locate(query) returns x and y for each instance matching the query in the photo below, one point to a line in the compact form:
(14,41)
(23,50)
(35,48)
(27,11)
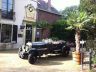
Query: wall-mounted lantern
(22,26)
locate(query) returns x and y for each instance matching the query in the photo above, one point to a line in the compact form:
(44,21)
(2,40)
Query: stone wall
(4,46)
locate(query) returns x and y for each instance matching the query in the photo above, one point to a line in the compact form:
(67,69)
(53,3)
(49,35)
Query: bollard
(90,58)
(82,56)
(82,60)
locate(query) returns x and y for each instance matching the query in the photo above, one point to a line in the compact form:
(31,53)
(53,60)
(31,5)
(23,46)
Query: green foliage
(75,16)
(54,38)
(43,24)
(94,60)
(88,5)
(58,30)
(65,13)
(77,19)
(91,27)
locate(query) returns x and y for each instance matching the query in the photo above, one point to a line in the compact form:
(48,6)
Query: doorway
(28,33)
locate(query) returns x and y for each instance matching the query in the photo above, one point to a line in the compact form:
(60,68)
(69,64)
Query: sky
(62,4)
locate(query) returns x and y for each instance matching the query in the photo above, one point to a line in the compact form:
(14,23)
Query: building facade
(17,20)
(46,12)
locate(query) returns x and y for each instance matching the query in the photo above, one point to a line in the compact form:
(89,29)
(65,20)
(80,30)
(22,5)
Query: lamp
(22,26)
(82,42)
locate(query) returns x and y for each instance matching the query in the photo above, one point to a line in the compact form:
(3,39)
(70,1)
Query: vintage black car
(34,50)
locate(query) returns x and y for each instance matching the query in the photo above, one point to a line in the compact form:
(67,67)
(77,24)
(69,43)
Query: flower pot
(77,57)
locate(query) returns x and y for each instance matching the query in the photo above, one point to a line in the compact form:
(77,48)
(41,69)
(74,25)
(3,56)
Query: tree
(91,27)
(65,13)
(77,20)
(42,24)
(58,31)
(88,5)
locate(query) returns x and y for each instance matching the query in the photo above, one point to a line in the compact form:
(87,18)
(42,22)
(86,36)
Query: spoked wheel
(65,53)
(32,59)
(22,54)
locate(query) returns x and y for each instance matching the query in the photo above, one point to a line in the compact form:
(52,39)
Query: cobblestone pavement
(10,62)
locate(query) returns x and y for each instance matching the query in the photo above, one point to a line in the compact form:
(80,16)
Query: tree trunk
(77,40)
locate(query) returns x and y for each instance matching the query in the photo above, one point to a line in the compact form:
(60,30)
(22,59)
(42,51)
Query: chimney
(49,5)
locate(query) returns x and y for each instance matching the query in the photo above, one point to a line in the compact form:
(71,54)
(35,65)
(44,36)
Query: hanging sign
(30,13)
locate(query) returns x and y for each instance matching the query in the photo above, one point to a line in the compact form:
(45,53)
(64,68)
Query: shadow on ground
(52,60)
(42,61)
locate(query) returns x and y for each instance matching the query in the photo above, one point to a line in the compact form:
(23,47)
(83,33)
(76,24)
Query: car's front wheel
(32,59)
(22,54)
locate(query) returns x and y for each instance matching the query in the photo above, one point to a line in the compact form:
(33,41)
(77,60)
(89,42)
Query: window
(7,9)
(6,33)
(15,33)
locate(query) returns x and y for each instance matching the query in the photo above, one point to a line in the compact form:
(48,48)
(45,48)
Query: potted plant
(77,20)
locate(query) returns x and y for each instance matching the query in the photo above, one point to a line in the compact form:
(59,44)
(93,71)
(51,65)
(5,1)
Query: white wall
(20,9)
(0,4)
(19,14)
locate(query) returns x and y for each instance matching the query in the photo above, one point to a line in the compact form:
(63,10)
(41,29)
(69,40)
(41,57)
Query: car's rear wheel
(65,52)
(32,59)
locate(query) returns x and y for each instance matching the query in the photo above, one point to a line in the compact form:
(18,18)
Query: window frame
(8,14)
(11,38)
(6,33)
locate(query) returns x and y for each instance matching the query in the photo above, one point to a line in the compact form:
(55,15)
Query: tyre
(32,59)
(65,52)
(21,54)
